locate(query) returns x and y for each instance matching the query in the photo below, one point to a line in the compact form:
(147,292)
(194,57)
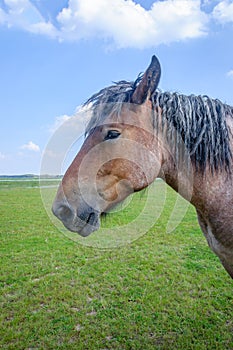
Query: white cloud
(58,122)
(2,156)
(67,136)
(179,20)
(122,23)
(2,17)
(80,116)
(223,12)
(230,74)
(44,28)
(23,14)
(128,24)
(31,146)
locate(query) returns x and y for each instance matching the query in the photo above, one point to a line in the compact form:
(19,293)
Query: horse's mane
(199,120)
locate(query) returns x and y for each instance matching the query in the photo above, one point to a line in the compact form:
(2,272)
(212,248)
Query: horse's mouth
(83,228)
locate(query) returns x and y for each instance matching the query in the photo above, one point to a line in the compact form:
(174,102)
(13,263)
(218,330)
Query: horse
(138,133)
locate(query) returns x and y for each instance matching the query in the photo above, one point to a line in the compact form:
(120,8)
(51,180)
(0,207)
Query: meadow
(162,291)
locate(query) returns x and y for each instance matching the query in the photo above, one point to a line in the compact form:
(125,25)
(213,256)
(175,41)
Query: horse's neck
(180,178)
(205,191)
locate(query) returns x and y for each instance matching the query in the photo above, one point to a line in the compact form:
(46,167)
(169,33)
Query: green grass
(163,291)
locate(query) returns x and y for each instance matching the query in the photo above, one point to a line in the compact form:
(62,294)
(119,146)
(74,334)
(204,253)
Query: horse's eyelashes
(112,134)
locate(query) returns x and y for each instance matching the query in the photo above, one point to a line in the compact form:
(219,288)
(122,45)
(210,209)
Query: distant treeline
(30,176)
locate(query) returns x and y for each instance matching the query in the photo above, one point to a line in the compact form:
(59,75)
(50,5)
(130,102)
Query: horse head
(120,155)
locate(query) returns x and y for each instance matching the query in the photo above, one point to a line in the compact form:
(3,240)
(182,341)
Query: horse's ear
(149,82)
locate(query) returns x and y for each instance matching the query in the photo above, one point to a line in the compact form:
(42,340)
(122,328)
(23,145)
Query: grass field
(163,291)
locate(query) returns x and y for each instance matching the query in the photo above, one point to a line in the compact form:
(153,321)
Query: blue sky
(55,54)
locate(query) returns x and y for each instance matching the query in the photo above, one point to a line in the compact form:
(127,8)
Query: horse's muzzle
(84,220)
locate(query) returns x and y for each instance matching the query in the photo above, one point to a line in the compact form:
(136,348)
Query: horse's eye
(112,134)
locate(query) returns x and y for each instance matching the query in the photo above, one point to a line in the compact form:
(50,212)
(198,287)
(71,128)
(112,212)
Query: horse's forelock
(110,100)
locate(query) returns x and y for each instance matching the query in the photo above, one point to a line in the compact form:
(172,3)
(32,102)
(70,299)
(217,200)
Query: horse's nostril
(63,212)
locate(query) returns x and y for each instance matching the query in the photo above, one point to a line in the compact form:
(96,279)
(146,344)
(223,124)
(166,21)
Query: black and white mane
(199,120)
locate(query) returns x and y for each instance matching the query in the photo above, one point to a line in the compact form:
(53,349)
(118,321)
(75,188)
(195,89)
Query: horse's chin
(84,229)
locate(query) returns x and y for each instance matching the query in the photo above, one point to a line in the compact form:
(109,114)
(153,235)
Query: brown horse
(138,133)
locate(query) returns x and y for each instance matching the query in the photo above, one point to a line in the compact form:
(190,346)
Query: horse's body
(137,134)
